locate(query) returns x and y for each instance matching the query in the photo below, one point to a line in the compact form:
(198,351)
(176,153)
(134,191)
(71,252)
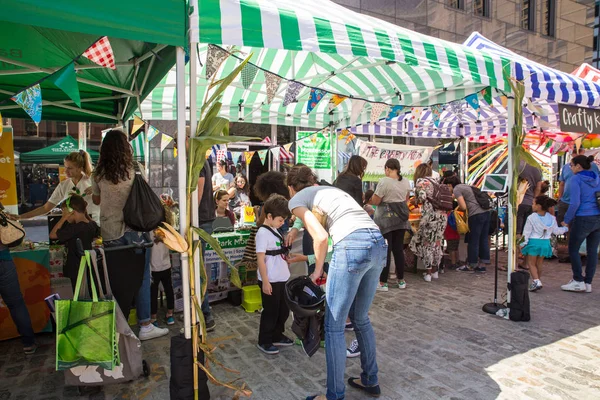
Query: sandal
(373,391)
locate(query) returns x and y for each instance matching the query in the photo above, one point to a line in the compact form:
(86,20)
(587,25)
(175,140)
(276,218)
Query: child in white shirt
(536,246)
(273,273)
(160,265)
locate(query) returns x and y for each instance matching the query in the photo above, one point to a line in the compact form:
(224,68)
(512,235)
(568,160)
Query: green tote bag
(85,329)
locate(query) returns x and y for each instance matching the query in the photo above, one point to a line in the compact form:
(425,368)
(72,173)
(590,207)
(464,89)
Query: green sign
(314,149)
(495,183)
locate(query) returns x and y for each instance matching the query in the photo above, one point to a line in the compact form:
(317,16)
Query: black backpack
(143,211)
(519,296)
(483,199)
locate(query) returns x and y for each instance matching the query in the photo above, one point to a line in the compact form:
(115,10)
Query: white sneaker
(402,284)
(382,287)
(588,288)
(427,277)
(435,275)
(574,286)
(152,332)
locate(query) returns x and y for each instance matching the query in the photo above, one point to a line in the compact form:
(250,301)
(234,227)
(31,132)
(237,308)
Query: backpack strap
(282,249)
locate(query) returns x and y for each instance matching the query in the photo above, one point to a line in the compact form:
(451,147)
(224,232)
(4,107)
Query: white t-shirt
(277,268)
(224,182)
(159,257)
(343,214)
(66,188)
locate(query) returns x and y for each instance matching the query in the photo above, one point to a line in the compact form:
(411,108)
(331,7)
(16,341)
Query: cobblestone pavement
(433,342)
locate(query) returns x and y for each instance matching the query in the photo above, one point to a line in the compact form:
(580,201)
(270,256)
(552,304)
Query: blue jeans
(13,298)
(353,277)
(143,296)
(588,229)
(208,228)
(478,249)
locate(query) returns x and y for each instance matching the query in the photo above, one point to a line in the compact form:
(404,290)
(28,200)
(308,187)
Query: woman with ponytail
(78,169)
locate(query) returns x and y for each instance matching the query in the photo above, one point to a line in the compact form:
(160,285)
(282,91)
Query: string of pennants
(151,133)
(30,98)
(379,110)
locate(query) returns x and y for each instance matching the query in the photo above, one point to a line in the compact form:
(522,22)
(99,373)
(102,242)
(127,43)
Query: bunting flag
(137,124)
(66,80)
(394,112)
(350,138)
(335,101)
(415,113)
(248,74)
(344,133)
(152,132)
(214,58)
(235,156)
(315,97)
(221,155)
(262,154)
(288,146)
(272,81)
(539,111)
(487,96)
(313,138)
(248,156)
(504,101)
(456,107)
(175,151)
(101,53)
(473,101)
(545,124)
(548,145)
(275,151)
(578,143)
(357,107)
(436,111)
(292,92)
(376,110)
(164,141)
(30,100)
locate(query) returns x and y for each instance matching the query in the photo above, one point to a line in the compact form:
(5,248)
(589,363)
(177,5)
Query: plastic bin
(251,300)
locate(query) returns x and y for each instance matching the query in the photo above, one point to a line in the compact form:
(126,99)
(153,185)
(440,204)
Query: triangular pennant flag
(487,96)
(221,155)
(538,110)
(292,92)
(343,134)
(248,74)
(315,97)
(164,141)
(357,107)
(248,156)
(214,57)
(175,151)
(504,101)
(350,138)
(31,101)
(394,112)
(335,101)
(152,132)
(288,146)
(313,138)
(376,110)
(436,111)
(273,81)
(548,145)
(137,124)
(275,151)
(578,143)
(262,154)
(101,53)
(456,108)
(66,80)
(473,101)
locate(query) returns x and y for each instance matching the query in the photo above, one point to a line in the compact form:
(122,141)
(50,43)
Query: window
(61,128)
(31,128)
(458,4)
(481,8)
(528,14)
(549,17)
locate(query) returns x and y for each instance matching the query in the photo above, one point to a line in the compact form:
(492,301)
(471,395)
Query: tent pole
(511,167)
(182,186)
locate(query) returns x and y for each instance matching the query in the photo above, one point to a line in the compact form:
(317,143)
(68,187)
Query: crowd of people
(350,237)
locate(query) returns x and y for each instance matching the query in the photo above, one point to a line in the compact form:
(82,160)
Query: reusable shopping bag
(462,221)
(85,330)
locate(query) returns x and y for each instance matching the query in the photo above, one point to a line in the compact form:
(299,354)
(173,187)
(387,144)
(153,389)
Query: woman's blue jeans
(478,246)
(143,295)
(588,229)
(13,298)
(351,284)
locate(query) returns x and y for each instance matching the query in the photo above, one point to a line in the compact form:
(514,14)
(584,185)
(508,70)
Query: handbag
(11,232)
(143,211)
(130,347)
(85,330)
(391,216)
(462,221)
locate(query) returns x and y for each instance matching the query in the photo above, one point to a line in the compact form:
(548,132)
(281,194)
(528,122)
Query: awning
(587,72)
(56,153)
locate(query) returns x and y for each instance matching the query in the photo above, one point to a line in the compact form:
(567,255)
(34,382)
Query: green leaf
(212,113)
(214,243)
(524,155)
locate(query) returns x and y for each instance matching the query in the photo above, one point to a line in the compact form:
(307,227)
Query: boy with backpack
(273,273)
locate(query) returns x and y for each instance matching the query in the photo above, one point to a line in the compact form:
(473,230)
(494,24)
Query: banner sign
(314,150)
(377,155)
(579,119)
(8,177)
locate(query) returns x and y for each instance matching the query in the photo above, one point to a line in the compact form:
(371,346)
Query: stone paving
(434,342)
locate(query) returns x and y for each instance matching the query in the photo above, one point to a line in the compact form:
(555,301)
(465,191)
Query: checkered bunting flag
(101,53)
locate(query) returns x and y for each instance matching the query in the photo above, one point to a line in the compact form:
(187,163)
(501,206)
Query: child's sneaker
(535,286)
(402,284)
(435,275)
(283,342)
(382,287)
(465,268)
(170,320)
(353,350)
(349,327)
(268,348)
(588,288)
(427,277)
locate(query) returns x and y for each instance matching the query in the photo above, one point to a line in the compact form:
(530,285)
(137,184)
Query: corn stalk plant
(212,130)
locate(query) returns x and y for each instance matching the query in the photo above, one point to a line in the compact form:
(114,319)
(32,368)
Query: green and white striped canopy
(326,46)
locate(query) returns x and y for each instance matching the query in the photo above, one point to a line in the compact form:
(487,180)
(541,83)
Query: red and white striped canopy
(587,72)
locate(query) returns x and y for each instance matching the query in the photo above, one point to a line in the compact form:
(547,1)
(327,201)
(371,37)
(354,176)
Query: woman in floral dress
(427,243)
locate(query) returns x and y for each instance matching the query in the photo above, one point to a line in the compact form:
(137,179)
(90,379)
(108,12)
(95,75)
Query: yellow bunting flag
(208,153)
(137,124)
(504,101)
(288,146)
(350,138)
(344,133)
(248,156)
